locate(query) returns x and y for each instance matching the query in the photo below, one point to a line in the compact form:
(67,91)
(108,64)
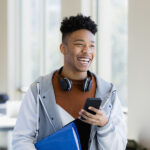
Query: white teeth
(84,59)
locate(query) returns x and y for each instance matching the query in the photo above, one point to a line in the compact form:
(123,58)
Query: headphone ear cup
(63,84)
(68,84)
(87,84)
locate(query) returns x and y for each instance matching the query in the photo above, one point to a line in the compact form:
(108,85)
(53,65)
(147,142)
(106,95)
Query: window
(112,44)
(39,39)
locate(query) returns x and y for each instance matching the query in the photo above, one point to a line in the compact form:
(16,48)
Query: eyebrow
(80,40)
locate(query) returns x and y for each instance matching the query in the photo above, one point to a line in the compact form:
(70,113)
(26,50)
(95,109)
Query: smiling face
(78,50)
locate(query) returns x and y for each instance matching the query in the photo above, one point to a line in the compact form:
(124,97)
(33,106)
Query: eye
(92,45)
(78,44)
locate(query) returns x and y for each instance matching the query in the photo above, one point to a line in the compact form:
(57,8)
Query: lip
(84,61)
(84,57)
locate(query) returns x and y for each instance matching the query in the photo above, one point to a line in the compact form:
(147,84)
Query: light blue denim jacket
(38,117)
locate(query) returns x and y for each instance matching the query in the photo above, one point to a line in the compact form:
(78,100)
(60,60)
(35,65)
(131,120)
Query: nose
(86,49)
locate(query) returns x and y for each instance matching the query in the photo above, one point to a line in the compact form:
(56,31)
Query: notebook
(66,138)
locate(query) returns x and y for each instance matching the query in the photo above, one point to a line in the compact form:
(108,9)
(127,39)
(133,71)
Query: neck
(73,75)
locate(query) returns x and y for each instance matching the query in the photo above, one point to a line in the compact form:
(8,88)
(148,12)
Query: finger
(88,114)
(84,116)
(89,120)
(95,110)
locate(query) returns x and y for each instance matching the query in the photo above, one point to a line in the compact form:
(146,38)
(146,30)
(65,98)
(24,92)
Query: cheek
(70,55)
(73,52)
(93,54)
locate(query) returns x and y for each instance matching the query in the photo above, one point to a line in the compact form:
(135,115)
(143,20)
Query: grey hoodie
(38,117)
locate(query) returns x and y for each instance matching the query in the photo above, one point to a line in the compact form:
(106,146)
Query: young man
(56,99)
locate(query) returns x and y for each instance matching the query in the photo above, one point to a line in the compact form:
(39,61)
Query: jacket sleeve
(113,135)
(25,130)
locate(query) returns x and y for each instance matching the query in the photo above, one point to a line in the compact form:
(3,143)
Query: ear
(62,48)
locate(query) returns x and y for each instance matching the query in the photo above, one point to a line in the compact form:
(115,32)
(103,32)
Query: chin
(82,69)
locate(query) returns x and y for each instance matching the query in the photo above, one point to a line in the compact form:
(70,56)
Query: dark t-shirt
(84,130)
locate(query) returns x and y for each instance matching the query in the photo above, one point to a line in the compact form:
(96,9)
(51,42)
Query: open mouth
(83,60)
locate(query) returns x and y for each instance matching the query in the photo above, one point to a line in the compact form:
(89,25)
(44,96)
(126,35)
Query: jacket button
(52,118)
(43,96)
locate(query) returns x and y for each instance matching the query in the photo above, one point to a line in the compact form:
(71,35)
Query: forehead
(82,34)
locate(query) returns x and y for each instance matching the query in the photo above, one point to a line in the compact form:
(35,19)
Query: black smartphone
(94,102)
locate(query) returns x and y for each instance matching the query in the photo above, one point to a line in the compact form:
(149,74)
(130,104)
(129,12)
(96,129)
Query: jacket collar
(104,90)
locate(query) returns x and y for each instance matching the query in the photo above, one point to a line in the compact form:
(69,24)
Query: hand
(99,119)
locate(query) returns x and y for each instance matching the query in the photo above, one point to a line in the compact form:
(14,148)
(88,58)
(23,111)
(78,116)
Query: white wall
(139,71)
(70,7)
(3,46)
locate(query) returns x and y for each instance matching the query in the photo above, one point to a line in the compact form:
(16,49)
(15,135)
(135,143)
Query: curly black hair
(73,23)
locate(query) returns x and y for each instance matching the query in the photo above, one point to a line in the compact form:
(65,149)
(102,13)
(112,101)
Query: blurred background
(29,47)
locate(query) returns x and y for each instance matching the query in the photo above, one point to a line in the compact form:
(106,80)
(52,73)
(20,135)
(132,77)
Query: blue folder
(66,138)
